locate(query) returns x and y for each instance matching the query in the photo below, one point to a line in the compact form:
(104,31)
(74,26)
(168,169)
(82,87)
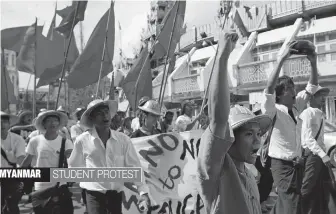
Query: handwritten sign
(169,162)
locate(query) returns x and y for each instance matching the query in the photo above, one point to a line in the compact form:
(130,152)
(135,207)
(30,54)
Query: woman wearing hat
(12,154)
(315,195)
(226,185)
(149,116)
(101,146)
(46,149)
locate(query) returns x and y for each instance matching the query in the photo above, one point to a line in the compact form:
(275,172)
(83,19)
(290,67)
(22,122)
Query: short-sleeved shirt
(223,187)
(47,154)
(14,147)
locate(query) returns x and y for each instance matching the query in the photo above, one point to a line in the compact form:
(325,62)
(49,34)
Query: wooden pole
(165,73)
(35,68)
(4,64)
(104,49)
(66,55)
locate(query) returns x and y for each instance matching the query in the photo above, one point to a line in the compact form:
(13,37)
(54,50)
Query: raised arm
(76,158)
(219,92)
(275,74)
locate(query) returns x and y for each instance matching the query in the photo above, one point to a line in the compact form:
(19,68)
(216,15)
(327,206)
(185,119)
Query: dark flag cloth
(66,24)
(162,43)
(51,30)
(140,69)
(85,70)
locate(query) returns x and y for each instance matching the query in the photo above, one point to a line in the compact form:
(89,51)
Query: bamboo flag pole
(4,64)
(213,65)
(66,55)
(111,92)
(104,49)
(35,71)
(165,73)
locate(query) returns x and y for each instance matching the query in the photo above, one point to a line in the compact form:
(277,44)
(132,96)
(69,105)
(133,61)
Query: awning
(278,35)
(203,53)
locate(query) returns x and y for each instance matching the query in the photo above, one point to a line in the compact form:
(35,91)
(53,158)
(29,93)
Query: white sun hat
(41,116)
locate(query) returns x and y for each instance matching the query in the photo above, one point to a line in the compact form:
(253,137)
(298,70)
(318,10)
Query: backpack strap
(3,153)
(319,131)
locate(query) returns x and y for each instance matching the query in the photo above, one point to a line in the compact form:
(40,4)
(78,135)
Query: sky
(131,15)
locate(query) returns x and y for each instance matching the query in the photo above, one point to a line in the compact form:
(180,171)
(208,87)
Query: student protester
(65,131)
(77,129)
(50,150)
(101,146)
(166,122)
(135,121)
(231,140)
(283,105)
(184,122)
(12,155)
(126,126)
(24,127)
(149,116)
(117,120)
(315,194)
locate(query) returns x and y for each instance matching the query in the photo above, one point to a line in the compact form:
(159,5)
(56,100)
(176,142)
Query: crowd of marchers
(283,139)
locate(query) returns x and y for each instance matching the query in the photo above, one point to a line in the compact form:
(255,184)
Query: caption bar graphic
(114,174)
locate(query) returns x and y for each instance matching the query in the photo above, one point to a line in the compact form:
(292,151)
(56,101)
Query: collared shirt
(311,122)
(76,130)
(224,187)
(14,147)
(285,141)
(119,152)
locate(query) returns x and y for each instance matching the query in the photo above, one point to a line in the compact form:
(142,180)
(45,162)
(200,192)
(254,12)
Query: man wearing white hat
(12,154)
(46,148)
(101,146)
(313,191)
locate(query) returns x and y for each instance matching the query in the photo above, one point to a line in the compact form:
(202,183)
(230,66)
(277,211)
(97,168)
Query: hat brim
(263,120)
(25,113)
(150,111)
(13,120)
(39,120)
(85,119)
(323,91)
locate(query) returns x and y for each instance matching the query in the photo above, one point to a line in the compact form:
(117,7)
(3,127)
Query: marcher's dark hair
(169,112)
(5,117)
(282,83)
(125,121)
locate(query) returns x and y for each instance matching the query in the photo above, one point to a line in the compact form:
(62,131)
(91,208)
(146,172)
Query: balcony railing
(297,67)
(284,8)
(185,84)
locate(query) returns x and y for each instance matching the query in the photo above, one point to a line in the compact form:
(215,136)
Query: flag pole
(66,55)
(5,76)
(213,65)
(111,93)
(35,67)
(104,49)
(165,73)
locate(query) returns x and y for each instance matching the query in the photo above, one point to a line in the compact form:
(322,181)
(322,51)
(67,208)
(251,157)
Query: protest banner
(169,162)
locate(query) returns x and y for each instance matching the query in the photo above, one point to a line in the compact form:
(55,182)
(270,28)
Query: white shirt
(182,122)
(286,136)
(135,124)
(311,122)
(14,147)
(76,130)
(119,152)
(47,154)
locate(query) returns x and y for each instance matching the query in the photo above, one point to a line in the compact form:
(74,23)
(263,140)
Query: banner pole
(104,49)
(66,55)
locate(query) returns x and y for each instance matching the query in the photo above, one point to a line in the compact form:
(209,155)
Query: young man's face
(169,118)
(247,143)
(101,116)
(27,119)
(5,125)
(51,123)
(318,99)
(151,119)
(288,96)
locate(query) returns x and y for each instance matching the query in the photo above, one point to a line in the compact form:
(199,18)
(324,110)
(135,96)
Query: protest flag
(7,87)
(65,27)
(138,82)
(85,70)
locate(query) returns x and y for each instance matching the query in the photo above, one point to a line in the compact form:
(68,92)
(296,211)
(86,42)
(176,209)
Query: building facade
(265,28)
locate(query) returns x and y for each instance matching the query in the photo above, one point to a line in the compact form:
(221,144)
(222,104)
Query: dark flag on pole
(66,24)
